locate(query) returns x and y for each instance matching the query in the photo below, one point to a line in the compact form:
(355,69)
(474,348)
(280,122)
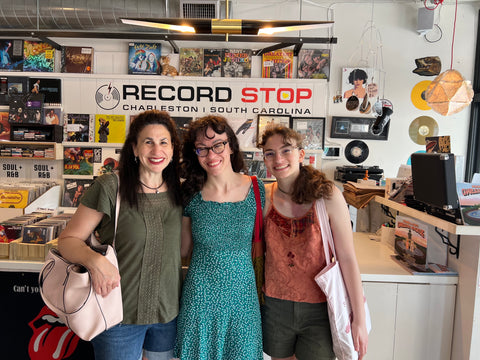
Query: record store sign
(12,170)
(43,170)
(233,96)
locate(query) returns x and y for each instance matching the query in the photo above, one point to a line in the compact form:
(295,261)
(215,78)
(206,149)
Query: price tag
(43,170)
(12,170)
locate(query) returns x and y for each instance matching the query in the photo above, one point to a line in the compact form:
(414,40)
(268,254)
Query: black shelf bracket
(452,249)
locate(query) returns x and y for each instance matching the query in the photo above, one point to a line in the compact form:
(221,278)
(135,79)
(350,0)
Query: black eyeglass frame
(213,148)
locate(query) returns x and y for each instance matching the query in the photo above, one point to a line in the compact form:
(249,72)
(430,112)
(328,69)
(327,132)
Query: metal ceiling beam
(281,41)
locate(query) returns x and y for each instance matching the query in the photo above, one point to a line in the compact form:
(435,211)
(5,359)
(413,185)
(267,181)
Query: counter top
(376,265)
(374,260)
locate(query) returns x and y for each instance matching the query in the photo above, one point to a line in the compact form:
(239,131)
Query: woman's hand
(360,338)
(105,276)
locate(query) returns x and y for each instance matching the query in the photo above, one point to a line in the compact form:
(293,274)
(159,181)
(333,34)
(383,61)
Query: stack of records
(360,194)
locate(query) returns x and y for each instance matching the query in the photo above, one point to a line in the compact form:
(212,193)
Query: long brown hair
(311,184)
(128,169)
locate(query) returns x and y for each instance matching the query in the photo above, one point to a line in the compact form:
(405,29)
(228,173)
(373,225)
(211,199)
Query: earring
(136,159)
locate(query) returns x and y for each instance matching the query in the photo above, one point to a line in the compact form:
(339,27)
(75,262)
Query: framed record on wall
(356,128)
(312,130)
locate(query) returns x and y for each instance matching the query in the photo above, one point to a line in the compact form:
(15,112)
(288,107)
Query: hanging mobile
(352,102)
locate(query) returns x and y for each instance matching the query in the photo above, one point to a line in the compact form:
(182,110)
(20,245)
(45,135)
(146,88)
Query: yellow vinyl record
(422,127)
(418,95)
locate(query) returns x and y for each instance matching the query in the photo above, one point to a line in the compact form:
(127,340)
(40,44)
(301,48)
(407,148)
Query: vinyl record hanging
(418,95)
(356,151)
(422,127)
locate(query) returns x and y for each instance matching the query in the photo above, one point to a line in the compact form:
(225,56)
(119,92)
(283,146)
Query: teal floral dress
(219,311)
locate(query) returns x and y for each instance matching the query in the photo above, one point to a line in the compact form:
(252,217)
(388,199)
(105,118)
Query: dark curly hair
(191,170)
(128,168)
(311,184)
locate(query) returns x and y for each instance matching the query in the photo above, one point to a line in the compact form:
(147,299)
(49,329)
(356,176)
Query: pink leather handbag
(66,288)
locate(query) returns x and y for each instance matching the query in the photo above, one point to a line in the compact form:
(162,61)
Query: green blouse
(148,250)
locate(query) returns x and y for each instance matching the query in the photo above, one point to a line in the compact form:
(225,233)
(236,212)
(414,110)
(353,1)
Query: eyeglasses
(284,152)
(217,149)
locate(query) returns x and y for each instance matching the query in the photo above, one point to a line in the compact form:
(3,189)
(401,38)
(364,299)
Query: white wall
(401,45)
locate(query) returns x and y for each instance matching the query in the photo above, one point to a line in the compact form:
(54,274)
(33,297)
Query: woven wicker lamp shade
(449,93)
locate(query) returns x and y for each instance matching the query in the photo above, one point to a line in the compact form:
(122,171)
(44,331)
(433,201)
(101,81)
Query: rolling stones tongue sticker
(51,339)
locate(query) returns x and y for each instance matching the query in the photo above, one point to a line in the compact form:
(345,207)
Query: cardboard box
(30,252)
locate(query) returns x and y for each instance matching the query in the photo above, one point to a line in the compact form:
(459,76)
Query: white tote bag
(331,282)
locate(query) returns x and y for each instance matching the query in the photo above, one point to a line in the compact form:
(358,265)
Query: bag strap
(327,237)
(259,216)
(117,210)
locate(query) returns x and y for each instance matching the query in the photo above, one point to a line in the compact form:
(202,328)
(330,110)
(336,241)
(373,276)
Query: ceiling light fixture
(227,26)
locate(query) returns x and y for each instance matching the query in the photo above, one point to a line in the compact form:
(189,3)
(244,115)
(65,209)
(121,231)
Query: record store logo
(107,97)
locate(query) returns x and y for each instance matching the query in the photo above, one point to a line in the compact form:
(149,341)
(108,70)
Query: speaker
(425,20)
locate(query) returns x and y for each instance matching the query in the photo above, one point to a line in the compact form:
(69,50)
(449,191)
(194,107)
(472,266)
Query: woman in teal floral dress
(219,312)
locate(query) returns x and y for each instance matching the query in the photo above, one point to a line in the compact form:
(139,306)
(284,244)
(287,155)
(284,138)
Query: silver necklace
(153,188)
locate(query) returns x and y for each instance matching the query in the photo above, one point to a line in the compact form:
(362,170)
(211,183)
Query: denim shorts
(298,328)
(127,342)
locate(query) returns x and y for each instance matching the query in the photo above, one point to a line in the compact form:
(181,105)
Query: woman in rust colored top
(295,318)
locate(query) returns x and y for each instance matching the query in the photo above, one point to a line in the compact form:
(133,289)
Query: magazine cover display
(38,56)
(73,191)
(77,161)
(411,242)
(11,55)
(191,62)
(77,59)
(110,128)
(78,127)
(277,64)
(105,160)
(237,63)
(4,126)
(170,64)
(212,62)
(469,199)
(313,64)
(144,58)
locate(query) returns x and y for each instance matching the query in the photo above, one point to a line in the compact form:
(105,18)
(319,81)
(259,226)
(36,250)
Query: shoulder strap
(259,215)
(327,238)
(117,210)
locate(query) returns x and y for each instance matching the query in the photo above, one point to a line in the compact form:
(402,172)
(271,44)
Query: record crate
(4,250)
(30,252)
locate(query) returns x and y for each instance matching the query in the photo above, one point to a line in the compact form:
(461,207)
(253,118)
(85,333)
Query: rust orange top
(294,256)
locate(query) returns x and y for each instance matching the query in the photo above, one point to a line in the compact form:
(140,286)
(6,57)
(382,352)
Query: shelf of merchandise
(91,144)
(34,145)
(429,219)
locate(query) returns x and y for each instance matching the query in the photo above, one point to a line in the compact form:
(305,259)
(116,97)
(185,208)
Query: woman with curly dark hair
(295,317)
(219,309)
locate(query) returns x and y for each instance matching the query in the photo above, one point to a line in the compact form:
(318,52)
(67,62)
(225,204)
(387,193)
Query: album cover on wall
(77,59)
(245,130)
(105,160)
(110,128)
(77,161)
(78,127)
(73,191)
(144,58)
(355,81)
(277,64)
(26,108)
(11,55)
(53,116)
(4,126)
(50,88)
(212,62)
(237,63)
(191,62)
(38,56)
(170,64)
(314,64)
